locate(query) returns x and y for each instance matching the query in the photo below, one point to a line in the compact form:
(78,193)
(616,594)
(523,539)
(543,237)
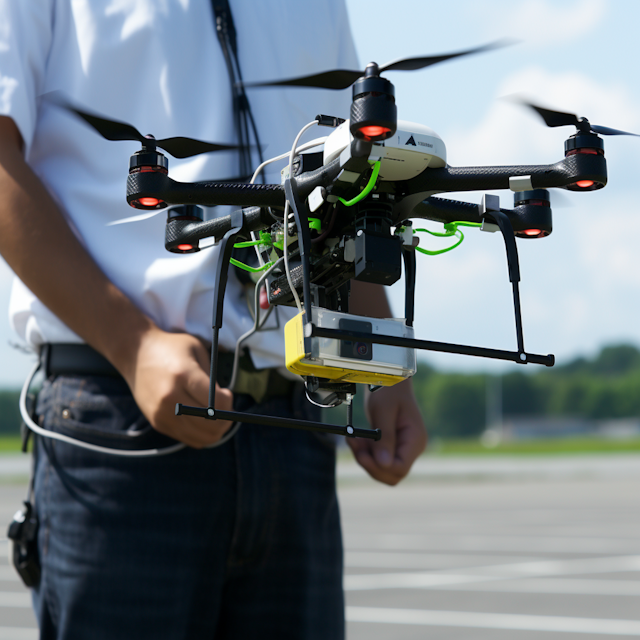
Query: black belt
(59,359)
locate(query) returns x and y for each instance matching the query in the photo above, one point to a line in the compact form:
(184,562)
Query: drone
(347,212)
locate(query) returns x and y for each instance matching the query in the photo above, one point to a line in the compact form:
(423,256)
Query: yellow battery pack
(347,361)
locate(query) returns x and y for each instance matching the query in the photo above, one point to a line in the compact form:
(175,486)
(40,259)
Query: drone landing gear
(271,421)
(490,210)
(210,412)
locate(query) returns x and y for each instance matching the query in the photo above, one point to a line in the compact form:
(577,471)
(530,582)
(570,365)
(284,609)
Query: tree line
(606,386)
(454,405)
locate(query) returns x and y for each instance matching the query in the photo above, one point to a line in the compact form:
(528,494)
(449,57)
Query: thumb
(384,450)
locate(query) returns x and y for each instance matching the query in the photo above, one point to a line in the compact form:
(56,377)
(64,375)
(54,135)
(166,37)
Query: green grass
(10,444)
(13,444)
(535,447)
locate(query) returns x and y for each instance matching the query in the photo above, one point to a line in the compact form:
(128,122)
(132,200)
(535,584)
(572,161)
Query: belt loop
(44,358)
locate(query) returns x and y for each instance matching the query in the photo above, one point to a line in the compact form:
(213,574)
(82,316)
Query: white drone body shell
(406,154)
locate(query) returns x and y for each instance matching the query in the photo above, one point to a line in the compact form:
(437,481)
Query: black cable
(243,116)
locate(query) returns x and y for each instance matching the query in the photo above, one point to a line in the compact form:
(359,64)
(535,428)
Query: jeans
(239,541)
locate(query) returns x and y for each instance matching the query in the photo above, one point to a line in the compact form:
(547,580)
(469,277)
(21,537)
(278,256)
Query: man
(226,542)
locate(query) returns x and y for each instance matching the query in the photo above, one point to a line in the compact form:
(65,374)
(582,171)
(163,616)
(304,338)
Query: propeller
(178,147)
(560,119)
(343,78)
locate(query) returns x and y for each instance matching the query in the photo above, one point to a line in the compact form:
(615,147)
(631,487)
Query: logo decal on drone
(410,141)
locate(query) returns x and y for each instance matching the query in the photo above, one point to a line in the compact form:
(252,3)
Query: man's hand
(161,368)
(170,368)
(395,412)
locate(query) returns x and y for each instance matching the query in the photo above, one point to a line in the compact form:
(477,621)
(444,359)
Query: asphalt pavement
(490,548)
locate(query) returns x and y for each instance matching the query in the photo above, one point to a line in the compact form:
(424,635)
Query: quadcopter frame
(409,199)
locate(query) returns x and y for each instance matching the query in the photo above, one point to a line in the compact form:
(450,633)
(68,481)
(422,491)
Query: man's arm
(393,410)
(160,368)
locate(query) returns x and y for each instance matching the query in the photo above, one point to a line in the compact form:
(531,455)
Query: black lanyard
(243,118)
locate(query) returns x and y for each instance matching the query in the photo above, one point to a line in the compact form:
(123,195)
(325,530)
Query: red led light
(185,247)
(149,202)
(264,298)
(584,184)
(532,232)
(373,131)
(584,151)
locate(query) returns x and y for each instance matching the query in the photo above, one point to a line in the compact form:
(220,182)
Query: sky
(580,287)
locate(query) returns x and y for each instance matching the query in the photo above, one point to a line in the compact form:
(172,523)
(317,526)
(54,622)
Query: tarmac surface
(467,548)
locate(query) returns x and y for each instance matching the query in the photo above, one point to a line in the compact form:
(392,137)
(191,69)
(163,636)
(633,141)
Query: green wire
(451,229)
(367,190)
(246,267)
(265,239)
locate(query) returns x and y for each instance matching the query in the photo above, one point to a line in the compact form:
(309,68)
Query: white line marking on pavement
(552,585)
(400,560)
(8,574)
(565,567)
(15,599)
(416,580)
(478,543)
(494,621)
(18,633)
(369,582)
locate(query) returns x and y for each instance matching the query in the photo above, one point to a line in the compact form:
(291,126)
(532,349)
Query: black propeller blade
(559,119)
(178,147)
(343,78)
(115,130)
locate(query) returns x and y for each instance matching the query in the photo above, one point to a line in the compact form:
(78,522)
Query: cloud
(512,133)
(543,22)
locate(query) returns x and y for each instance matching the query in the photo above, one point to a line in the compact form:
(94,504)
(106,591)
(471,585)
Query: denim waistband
(73,359)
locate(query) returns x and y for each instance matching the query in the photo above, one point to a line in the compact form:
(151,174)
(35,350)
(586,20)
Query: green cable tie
(438,252)
(265,239)
(246,267)
(451,229)
(315,223)
(367,190)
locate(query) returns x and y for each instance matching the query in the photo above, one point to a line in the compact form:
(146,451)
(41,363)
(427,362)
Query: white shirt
(156,64)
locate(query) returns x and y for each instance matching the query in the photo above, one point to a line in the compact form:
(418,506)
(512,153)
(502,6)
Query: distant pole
(493,404)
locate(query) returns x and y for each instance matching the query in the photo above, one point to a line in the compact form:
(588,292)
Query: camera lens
(362,348)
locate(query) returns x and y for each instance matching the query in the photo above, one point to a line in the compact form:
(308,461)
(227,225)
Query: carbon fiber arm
(208,194)
(448,179)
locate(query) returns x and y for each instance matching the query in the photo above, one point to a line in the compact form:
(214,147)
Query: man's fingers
(388,475)
(383,417)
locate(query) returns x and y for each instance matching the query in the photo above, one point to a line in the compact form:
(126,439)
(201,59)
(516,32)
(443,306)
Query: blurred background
(580,286)
(502,531)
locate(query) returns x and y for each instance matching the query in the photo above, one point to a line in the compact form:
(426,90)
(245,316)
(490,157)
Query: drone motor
(374,115)
(533,210)
(584,144)
(148,159)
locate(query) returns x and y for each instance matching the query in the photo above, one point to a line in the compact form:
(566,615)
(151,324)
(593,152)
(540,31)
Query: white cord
(307,145)
(144,453)
(257,325)
(319,404)
(296,297)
